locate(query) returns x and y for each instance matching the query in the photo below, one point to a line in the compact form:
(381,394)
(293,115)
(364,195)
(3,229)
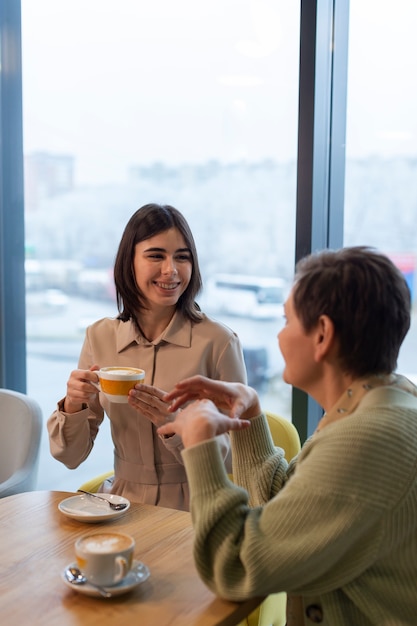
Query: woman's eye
(183,257)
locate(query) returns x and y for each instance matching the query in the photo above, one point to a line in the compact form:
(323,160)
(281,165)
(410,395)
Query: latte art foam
(105,543)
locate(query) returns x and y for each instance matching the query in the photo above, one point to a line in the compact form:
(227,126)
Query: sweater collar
(351,397)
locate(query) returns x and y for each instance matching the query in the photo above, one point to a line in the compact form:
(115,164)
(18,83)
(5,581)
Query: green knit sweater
(340,530)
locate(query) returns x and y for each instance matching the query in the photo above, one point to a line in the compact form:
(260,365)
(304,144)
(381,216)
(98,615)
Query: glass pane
(185,103)
(381,164)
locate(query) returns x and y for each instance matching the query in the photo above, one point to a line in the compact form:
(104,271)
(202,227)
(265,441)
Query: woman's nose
(169,267)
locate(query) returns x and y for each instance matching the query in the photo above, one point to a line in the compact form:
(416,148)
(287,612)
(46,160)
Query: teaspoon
(76,577)
(112,505)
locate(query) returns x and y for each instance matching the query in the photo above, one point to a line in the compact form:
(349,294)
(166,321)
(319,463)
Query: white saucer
(87,509)
(137,575)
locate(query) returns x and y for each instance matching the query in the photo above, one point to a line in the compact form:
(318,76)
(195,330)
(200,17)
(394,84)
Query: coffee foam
(104,543)
(120,373)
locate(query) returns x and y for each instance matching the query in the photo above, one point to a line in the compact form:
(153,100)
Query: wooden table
(37,542)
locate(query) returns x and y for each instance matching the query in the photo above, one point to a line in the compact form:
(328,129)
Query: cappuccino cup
(105,558)
(116,382)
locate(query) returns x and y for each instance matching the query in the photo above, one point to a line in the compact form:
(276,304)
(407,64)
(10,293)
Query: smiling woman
(160,329)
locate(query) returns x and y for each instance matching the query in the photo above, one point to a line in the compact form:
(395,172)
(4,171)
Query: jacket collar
(178,332)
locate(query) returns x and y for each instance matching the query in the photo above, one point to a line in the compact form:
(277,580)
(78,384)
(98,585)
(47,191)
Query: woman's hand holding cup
(80,389)
(114,382)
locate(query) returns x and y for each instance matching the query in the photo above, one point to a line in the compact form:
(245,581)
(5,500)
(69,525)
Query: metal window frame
(12,238)
(321,148)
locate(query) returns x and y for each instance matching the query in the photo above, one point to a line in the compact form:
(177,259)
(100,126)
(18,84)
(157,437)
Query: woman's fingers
(181,400)
(199,422)
(148,400)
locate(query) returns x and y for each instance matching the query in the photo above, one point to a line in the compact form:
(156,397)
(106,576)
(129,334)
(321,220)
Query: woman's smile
(167,286)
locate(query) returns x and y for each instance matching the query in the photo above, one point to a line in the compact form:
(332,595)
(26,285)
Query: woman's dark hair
(365,296)
(146,222)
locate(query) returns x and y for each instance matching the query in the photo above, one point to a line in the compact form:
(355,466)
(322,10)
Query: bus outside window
(246,296)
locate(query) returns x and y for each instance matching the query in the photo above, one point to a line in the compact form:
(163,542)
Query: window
(190,104)
(381,154)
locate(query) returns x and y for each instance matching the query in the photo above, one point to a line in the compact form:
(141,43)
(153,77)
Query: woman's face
(163,267)
(297,348)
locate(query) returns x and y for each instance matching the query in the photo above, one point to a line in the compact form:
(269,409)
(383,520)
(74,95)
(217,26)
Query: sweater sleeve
(258,466)
(317,533)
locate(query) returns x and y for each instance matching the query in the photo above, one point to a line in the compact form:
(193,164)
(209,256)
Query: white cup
(105,558)
(116,382)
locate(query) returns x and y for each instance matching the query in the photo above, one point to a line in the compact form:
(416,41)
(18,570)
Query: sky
(189,81)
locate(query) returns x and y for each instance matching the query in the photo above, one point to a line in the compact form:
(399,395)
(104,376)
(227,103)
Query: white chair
(20,437)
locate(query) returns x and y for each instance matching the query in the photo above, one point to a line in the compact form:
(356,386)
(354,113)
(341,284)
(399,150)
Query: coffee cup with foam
(116,381)
(105,558)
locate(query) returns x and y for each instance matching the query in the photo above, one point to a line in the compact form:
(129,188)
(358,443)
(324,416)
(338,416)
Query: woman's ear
(324,337)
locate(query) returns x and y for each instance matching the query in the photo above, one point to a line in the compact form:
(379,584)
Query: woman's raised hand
(236,399)
(199,421)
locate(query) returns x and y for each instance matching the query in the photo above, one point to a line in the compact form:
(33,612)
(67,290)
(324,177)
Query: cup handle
(122,568)
(96,385)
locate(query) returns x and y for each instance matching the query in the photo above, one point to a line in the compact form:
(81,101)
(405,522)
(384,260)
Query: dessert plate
(137,575)
(83,508)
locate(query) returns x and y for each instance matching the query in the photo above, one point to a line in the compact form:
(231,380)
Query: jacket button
(314,613)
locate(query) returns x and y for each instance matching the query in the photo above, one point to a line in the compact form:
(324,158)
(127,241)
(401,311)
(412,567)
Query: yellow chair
(94,484)
(285,435)
(272,611)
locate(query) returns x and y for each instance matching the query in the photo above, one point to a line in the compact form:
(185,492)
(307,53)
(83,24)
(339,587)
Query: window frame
(12,239)
(324,32)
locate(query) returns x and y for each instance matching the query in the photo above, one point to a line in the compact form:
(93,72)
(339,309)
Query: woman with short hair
(337,527)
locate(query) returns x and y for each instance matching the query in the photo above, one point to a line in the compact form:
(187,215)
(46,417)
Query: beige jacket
(147,468)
